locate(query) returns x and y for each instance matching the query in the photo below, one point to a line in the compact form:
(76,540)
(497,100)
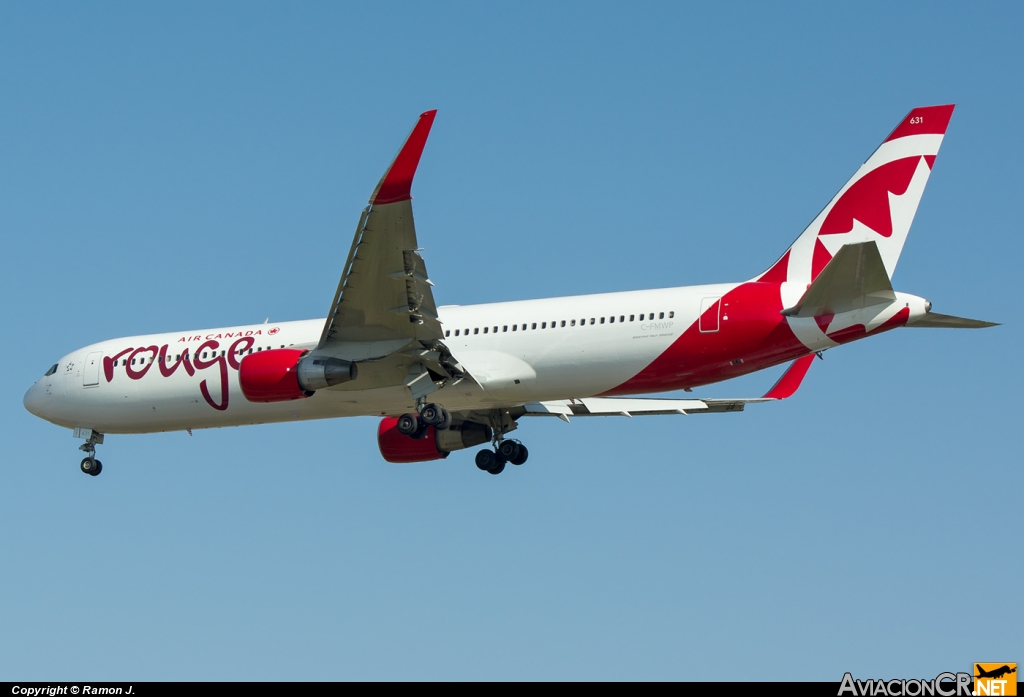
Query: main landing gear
(416,425)
(493,461)
(90,465)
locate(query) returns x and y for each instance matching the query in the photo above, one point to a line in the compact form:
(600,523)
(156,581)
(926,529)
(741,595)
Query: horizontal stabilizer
(934,320)
(855,278)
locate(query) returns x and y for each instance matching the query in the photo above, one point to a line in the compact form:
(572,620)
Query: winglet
(791,379)
(396,184)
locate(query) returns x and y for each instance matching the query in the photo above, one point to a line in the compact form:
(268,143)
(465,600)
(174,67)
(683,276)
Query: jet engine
(279,375)
(431,445)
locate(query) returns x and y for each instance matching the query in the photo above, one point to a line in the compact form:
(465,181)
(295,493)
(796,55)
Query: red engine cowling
(272,376)
(399,448)
(436,445)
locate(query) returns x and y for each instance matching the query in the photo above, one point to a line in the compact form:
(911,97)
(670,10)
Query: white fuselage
(518,352)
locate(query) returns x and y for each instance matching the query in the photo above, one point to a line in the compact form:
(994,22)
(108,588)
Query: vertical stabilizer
(877,204)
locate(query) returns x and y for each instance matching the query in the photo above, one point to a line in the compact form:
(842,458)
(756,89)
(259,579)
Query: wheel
(432,414)
(498,468)
(408,424)
(89,466)
(421,432)
(99,468)
(508,450)
(521,456)
(446,422)
(486,460)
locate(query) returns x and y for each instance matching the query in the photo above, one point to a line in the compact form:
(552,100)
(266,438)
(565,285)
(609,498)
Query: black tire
(99,468)
(508,450)
(408,424)
(521,456)
(432,415)
(446,422)
(486,460)
(89,466)
(497,469)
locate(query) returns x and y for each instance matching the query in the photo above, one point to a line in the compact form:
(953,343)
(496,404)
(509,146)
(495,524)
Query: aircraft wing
(616,406)
(384,299)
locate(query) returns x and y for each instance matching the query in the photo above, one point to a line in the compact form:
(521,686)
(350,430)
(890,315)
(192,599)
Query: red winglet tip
(396,184)
(924,120)
(791,379)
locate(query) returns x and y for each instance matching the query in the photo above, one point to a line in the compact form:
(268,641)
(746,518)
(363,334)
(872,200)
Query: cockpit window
(51,371)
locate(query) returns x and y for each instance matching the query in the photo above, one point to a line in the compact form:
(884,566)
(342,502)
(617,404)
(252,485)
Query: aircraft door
(91,370)
(710,309)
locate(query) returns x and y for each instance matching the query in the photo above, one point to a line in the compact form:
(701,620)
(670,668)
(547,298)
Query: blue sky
(177,166)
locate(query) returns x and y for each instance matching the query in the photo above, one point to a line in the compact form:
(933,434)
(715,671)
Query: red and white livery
(454,377)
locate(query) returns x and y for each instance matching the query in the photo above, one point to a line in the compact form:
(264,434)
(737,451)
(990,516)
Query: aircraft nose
(35,400)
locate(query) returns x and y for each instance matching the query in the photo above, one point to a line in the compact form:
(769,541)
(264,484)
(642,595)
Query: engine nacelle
(280,375)
(435,445)
(318,372)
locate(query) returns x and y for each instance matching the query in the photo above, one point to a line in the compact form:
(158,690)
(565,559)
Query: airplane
(995,673)
(454,377)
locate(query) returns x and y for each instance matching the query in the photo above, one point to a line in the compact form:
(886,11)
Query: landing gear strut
(90,465)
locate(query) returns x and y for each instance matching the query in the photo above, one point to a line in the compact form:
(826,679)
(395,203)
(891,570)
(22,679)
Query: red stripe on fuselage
(752,335)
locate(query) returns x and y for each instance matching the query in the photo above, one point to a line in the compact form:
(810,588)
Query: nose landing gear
(90,465)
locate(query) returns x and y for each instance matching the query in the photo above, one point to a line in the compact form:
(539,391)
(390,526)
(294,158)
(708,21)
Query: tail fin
(877,204)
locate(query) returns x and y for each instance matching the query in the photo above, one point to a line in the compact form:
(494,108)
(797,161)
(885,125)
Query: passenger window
(456,332)
(465,332)
(534,326)
(572,323)
(671,314)
(602,320)
(543,325)
(563,322)
(583,321)
(476,330)
(448,333)
(485,330)
(591,320)
(611,320)
(495,330)
(631,318)
(504,327)
(178,356)
(661,315)
(514,326)
(641,318)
